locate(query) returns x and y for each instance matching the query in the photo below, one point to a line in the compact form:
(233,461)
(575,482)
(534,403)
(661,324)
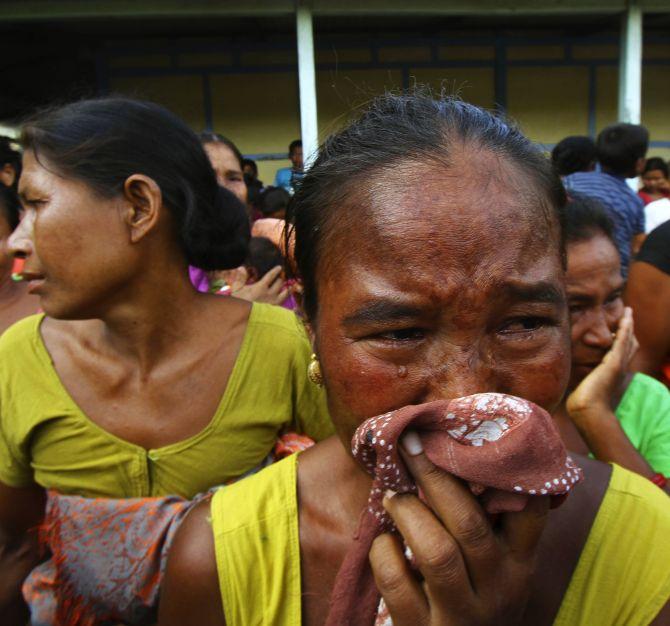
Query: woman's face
(439,290)
(76,244)
(654,181)
(227,168)
(594,286)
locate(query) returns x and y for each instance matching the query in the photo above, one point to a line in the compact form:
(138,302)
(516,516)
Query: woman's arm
(591,405)
(190,591)
(648,294)
(21,511)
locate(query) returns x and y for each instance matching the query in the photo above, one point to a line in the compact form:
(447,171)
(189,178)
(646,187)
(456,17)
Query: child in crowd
(273,202)
(263,256)
(655,183)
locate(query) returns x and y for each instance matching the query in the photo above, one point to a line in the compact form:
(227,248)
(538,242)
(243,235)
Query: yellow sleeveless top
(622,577)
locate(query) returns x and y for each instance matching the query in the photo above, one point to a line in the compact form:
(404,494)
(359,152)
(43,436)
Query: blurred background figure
(15,301)
(226,160)
(254,186)
(621,149)
(288,177)
(273,202)
(576,153)
(655,183)
(648,293)
(10,162)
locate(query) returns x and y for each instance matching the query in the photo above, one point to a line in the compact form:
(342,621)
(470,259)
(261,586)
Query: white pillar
(307,81)
(630,64)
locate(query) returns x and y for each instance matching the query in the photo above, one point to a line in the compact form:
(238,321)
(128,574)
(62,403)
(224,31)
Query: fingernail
(388,494)
(411,442)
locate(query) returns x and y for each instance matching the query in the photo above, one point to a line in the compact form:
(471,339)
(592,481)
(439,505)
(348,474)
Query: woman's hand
(472,574)
(592,404)
(595,395)
(268,289)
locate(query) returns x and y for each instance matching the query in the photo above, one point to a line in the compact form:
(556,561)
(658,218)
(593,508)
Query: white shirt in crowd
(655,213)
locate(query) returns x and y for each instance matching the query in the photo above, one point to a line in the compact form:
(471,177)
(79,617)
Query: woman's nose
(20,242)
(461,376)
(599,331)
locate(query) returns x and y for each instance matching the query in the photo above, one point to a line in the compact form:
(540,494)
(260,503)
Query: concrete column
(630,64)
(307,81)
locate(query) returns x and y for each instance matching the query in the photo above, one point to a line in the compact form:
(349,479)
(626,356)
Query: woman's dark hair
(574,154)
(10,155)
(400,128)
(584,218)
(208,137)
(104,141)
(655,163)
(10,206)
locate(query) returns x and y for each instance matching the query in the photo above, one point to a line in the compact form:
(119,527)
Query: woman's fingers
(435,551)
(623,348)
(457,509)
(396,582)
(471,574)
(522,530)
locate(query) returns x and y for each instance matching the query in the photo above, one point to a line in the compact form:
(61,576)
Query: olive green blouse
(47,439)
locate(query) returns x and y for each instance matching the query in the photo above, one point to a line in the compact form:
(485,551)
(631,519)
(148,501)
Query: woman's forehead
(456,209)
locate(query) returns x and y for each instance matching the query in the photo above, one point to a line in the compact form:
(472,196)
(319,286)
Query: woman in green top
(134,384)
(616,416)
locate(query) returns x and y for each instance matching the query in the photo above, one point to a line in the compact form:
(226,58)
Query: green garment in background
(644,415)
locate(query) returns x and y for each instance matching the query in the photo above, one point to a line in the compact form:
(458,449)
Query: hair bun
(216,235)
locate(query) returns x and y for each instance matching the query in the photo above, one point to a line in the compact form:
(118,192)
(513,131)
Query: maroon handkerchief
(507,450)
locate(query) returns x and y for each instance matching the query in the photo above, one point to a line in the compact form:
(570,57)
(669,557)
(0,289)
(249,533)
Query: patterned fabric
(499,444)
(623,205)
(108,556)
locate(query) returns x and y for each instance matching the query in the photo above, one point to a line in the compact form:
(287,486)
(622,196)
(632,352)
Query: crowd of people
(424,381)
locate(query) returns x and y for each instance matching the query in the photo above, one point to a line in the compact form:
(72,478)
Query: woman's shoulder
(23,331)
(622,569)
(267,494)
(275,323)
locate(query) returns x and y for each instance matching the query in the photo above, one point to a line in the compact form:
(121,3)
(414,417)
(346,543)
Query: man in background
(288,177)
(621,150)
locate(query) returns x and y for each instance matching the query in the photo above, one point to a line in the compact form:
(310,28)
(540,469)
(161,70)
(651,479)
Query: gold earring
(314,371)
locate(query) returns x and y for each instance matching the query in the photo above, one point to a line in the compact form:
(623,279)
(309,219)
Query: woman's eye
(402,334)
(525,325)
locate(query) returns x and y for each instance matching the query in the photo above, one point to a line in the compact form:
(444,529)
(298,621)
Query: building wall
(552,87)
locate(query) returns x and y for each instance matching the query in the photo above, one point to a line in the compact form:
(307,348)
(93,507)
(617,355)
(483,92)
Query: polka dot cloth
(497,443)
